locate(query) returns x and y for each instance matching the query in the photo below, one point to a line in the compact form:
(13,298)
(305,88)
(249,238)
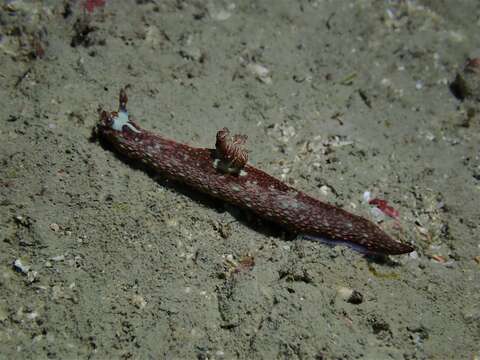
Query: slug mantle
(224,173)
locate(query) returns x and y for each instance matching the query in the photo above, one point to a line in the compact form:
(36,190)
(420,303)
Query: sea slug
(225,174)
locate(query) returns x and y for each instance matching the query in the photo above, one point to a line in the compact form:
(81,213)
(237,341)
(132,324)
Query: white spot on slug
(122,120)
(289,203)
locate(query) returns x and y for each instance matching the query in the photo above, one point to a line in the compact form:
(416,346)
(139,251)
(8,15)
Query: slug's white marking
(287,202)
(122,120)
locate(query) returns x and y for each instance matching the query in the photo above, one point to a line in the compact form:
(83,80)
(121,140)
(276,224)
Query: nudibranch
(224,173)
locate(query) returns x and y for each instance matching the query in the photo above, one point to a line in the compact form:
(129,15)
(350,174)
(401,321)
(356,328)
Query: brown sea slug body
(224,174)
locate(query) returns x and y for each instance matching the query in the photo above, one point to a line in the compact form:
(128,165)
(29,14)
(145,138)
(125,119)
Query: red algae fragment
(385,208)
(90,5)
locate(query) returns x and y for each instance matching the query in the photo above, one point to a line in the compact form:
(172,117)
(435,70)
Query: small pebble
(356,298)
(19,266)
(261,72)
(471,314)
(138,301)
(350,295)
(32,276)
(32,316)
(367,196)
(413,255)
(325,190)
(439,258)
(58,258)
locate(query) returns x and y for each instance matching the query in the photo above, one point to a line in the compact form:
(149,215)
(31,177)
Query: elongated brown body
(250,188)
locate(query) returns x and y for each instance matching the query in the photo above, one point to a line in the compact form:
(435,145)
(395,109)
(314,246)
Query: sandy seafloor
(99,259)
